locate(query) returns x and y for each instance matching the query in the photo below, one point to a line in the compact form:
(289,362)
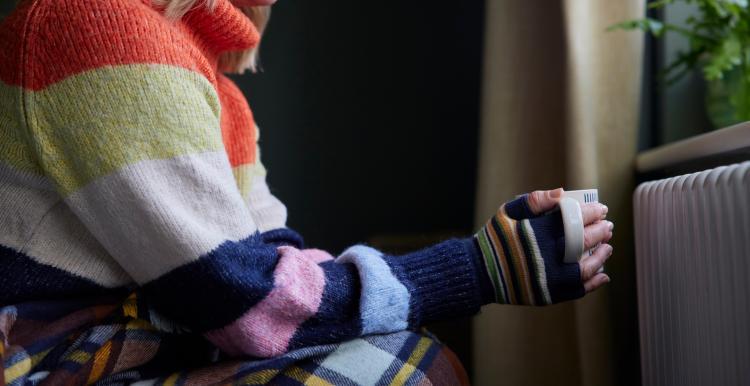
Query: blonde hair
(235,61)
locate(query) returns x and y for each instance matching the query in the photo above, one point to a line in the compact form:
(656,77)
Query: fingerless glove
(523,255)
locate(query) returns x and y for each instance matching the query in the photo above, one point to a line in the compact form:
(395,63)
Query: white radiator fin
(693,267)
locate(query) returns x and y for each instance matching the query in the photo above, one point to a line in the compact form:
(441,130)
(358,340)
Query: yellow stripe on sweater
(14,148)
(94,123)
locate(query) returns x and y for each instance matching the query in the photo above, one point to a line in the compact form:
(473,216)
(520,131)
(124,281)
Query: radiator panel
(692,241)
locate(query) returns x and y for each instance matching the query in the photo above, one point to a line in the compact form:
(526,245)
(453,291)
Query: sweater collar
(221,29)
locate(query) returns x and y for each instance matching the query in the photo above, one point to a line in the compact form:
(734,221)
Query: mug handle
(572,217)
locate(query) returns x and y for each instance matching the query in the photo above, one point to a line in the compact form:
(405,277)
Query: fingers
(593,212)
(595,282)
(541,201)
(598,232)
(590,264)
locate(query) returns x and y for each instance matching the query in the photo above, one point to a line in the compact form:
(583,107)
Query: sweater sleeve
(137,154)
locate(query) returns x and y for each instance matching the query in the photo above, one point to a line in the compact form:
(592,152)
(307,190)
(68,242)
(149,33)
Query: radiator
(693,266)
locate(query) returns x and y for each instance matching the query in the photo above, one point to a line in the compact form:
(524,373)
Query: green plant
(719,43)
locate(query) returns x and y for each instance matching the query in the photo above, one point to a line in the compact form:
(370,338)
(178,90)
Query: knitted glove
(523,255)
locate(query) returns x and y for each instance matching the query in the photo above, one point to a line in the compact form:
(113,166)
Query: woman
(140,241)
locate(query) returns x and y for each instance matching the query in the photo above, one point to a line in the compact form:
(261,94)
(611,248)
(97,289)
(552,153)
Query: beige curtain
(560,108)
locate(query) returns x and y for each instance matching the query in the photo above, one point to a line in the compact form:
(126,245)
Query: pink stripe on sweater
(266,329)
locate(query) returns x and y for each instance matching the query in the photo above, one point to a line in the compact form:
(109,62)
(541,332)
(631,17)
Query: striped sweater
(128,161)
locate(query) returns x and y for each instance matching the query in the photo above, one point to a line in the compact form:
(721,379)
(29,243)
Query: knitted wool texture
(523,255)
(127,160)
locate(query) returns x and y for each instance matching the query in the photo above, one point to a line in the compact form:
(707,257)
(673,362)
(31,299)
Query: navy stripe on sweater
(23,279)
(218,288)
(338,315)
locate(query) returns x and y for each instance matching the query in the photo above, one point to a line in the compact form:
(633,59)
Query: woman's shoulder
(60,38)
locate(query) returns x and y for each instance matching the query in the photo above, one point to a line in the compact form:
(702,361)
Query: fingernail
(609,249)
(605,209)
(607,279)
(556,193)
(611,226)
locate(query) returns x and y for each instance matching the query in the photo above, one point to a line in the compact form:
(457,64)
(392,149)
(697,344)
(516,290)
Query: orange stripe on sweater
(65,37)
(237,124)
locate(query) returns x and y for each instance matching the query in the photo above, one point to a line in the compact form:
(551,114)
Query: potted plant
(718,35)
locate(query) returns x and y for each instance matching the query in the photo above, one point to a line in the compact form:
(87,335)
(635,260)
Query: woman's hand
(523,247)
(596,230)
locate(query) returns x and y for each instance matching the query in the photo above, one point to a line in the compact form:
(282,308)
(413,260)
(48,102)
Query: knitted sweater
(127,160)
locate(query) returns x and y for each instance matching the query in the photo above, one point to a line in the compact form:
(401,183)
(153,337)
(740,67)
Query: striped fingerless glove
(523,255)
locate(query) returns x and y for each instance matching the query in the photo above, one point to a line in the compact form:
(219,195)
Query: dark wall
(369,116)
(6,7)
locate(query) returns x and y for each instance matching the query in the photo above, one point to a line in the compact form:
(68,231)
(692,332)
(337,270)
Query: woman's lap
(76,343)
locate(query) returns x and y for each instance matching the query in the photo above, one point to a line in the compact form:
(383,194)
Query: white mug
(570,208)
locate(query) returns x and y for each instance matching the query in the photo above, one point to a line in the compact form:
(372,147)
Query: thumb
(540,201)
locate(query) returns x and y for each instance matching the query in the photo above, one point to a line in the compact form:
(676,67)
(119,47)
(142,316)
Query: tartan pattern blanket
(117,342)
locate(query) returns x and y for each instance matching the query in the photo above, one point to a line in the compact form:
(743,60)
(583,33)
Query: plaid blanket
(117,343)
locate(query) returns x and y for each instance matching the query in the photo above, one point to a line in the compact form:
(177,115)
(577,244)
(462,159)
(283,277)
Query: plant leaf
(727,56)
(652,26)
